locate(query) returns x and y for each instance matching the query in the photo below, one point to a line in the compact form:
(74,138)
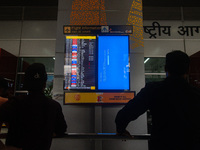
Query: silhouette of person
(174,106)
(34,118)
(3,99)
(3,90)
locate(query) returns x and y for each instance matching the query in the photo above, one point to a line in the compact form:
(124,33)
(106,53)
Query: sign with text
(113,29)
(98,97)
(171,30)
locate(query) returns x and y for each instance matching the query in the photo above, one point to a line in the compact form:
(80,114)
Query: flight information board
(79,67)
(96,65)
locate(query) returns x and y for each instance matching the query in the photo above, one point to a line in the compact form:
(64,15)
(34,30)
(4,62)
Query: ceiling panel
(162,3)
(47,9)
(28,2)
(172,3)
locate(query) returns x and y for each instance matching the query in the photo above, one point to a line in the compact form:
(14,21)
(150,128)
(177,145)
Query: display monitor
(113,62)
(97,63)
(80,65)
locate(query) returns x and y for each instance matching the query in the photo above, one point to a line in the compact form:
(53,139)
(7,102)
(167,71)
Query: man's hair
(35,77)
(177,63)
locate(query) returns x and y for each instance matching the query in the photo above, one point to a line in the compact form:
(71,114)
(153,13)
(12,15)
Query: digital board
(113,63)
(80,64)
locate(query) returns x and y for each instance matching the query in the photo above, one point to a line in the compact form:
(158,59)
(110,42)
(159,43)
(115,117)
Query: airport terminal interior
(38,31)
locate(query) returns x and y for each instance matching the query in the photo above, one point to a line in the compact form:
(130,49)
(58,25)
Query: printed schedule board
(97,67)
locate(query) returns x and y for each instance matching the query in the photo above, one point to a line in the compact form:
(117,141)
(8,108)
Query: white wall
(28,38)
(159,46)
(39,38)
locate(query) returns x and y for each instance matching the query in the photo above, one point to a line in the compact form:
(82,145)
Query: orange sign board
(98,97)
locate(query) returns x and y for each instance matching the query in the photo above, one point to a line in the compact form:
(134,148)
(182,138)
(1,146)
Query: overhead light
(146,60)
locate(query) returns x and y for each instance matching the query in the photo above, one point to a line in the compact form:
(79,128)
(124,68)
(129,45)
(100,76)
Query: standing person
(34,118)
(3,99)
(174,105)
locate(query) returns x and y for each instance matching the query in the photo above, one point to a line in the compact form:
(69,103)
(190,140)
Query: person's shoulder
(156,84)
(53,102)
(151,87)
(155,87)
(17,99)
(195,90)
(13,103)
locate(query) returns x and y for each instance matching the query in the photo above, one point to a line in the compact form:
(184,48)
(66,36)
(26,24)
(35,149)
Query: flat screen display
(113,63)
(97,63)
(80,65)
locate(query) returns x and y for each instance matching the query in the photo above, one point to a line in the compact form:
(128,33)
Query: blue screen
(113,63)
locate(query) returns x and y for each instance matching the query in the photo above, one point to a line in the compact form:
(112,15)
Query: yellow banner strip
(80,37)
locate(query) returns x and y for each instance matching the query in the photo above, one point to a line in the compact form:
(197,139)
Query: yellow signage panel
(97,97)
(67,30)
(80,37)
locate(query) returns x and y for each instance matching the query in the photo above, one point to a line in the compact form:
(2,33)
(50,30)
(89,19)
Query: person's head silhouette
(177,63)
(35,77)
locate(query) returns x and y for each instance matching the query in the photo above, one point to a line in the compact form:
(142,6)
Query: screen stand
(98,126)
